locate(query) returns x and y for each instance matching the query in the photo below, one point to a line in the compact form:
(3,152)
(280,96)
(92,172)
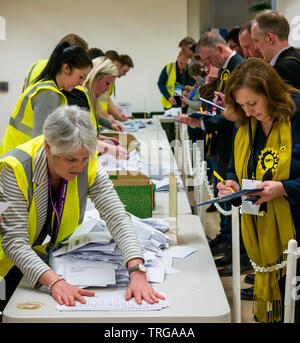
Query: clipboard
(212,104)
(231,196)
(201,115)
(173,90)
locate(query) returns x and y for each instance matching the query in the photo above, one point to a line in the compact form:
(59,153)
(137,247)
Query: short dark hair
(112,55)
(126,60)
(246,27)
(74,39)
(195,69)
(233,35)
(187,41)
(95,52)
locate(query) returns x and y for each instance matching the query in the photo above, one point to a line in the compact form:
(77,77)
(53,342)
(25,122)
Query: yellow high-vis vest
(34,71)
(171,72)
(91,108)
(20,125)
(21,160)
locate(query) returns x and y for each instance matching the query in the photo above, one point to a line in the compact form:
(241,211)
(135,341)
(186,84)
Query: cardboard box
(136,191)
(127,140)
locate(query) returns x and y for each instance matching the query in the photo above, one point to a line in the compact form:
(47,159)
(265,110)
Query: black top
(222,126)
(288,67)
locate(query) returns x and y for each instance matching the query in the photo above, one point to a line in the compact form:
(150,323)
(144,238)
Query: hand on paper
(117,151)
(224,189)
(185,119)
(63,292)
(117,127)
(140,288)
(272,190)
(66,294)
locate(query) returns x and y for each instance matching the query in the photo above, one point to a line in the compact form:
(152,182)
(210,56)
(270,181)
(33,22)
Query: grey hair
(210,40)
(69,128)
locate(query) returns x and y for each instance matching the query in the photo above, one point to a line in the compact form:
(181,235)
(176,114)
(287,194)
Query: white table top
(195,294)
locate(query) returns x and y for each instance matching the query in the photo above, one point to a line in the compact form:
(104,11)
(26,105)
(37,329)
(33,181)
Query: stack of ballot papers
(133,125)
(163,184)
(114,301)
(90,257)
(134,162)
(173,112)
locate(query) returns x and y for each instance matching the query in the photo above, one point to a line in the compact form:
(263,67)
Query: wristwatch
(140,267)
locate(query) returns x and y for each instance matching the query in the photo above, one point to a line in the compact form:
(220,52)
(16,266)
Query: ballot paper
(173,112)
(90,257)
(114,301)
(133,125)
(164,184)
(134,162)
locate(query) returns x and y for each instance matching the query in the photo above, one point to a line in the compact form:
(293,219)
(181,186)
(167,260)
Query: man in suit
(249,48)
(270,31)
(214,50)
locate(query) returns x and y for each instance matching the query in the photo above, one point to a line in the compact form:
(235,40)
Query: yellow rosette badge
(268,160)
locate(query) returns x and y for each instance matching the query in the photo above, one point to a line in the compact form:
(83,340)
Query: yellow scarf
(266,237)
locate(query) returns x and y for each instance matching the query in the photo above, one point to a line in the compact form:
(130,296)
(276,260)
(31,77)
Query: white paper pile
(92,258)
(114,301)
(173,112)
(163,184)
(133,125)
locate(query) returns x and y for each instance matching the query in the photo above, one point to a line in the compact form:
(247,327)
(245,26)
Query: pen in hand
(222,180)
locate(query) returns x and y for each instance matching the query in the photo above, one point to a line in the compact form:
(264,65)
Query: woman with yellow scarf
(266,148)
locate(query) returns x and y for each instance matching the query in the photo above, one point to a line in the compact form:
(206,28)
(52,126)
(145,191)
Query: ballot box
(135,190)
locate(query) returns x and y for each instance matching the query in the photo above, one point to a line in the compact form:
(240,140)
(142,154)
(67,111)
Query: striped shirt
(14,227)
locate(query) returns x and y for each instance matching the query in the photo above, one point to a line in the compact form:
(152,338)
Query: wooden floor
(212,228)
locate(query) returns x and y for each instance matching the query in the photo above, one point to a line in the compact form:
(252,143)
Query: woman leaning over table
(266,147)
(97,82)
(49,177)
(67,67)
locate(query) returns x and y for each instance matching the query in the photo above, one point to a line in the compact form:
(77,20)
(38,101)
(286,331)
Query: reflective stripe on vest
(171,73)
(20,160)
(34,71)
(16,121)
(20,128)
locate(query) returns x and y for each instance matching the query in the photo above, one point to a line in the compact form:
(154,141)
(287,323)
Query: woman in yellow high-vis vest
(38,66)
(266,155)
(68,67)
(98,82)
(47,181)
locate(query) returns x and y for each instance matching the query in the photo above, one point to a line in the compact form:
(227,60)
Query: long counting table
(195,294)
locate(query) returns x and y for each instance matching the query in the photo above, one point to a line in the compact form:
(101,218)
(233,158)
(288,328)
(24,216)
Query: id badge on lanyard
(178,90)
(247,206)
(58,211)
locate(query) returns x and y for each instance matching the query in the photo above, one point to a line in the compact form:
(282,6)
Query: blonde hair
(103,66)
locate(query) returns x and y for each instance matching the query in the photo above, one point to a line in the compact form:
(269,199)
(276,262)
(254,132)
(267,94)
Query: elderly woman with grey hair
(47,181)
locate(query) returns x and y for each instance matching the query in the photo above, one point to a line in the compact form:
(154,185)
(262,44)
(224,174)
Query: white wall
(148,31)
(199,17)
(291,10)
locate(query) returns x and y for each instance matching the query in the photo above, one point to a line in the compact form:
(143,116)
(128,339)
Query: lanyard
(268,173)
(58,211)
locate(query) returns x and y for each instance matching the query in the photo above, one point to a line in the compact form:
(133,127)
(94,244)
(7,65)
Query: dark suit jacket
(222,126)
(288,67)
